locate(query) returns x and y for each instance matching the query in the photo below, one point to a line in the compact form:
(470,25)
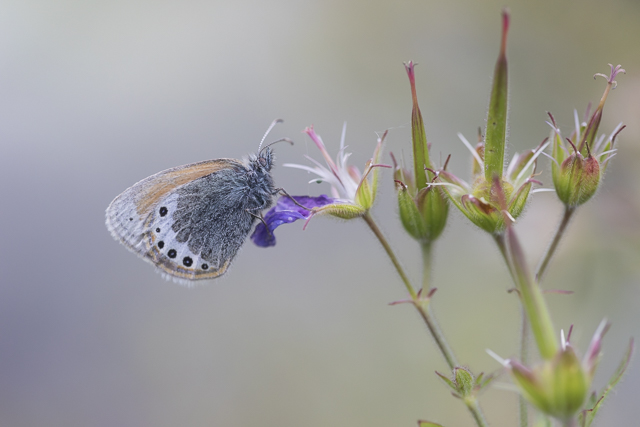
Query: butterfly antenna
(271,126)
(271,143)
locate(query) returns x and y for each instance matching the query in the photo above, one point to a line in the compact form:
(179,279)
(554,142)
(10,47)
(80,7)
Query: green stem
(383,241)
(421,303)
(532,299)
(499,238)
(551,249)
(523,408)
(476,412)
(427,260)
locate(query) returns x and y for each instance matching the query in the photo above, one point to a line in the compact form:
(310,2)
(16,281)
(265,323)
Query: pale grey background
(97,95)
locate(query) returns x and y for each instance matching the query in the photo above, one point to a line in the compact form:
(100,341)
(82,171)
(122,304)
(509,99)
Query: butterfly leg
(261,218)
(284,193)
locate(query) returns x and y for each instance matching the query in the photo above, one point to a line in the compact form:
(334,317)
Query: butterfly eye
(263,161)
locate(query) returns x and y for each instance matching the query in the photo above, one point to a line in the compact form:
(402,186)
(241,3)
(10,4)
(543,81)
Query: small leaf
(428,424)
(448,381)
(484,380)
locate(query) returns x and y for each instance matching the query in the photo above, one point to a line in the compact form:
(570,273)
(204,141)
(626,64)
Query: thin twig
(551,249)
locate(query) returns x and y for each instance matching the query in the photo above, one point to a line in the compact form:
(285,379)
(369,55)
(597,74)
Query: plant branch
(551,249)
(383,241)
(421,303)
(523,408)
(427,261)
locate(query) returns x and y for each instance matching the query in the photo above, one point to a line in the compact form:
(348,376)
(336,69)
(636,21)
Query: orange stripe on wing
(157,186)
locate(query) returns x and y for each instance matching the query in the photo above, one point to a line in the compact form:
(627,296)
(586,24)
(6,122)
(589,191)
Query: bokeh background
(97,95)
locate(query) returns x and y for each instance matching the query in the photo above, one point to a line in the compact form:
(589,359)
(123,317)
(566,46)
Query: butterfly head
(264,160)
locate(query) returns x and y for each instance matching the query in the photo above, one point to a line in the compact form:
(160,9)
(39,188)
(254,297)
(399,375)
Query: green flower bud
(576,176)
(479,201)
(410,216)
(341,210)
(558,387)
(576,179)
(465,381)
(423,207)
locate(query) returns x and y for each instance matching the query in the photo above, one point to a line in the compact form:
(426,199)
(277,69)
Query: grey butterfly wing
(188,221)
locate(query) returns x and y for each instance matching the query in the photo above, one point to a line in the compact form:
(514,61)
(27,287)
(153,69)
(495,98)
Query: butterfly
(190,221)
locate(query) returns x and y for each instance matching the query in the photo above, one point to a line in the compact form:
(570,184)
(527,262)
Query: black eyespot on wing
(163,211)
(172,253)
(161,244)
(187,261)
(157,230)
(205,266)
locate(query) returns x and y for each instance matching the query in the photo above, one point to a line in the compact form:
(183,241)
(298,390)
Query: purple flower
(285,212)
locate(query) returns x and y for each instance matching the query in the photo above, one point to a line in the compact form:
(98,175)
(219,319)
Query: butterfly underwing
(190,221)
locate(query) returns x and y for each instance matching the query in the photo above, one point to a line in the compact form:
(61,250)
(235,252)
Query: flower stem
(532,299)
(383,241)
(425,311)
(523,408)
(551,249)
(427,260)
(421,303)
(476,412)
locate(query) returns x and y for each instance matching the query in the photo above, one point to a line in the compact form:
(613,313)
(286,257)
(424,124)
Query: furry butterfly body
(190,221)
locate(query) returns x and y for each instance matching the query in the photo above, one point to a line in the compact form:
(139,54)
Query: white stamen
(607,152)
(474,153)
(449,184)
(499,359)
(577,123)
(551,157)
(598,143)
(343,136)
(532,159)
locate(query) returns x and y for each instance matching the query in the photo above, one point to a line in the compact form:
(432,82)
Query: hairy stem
(551,249)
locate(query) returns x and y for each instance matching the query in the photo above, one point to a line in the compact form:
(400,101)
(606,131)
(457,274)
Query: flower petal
(284,212)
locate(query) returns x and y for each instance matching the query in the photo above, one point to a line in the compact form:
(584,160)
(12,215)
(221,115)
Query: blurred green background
(96,95)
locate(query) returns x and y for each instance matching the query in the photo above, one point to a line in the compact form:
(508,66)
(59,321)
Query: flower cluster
(580,160)
(559,385)
(353,192)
